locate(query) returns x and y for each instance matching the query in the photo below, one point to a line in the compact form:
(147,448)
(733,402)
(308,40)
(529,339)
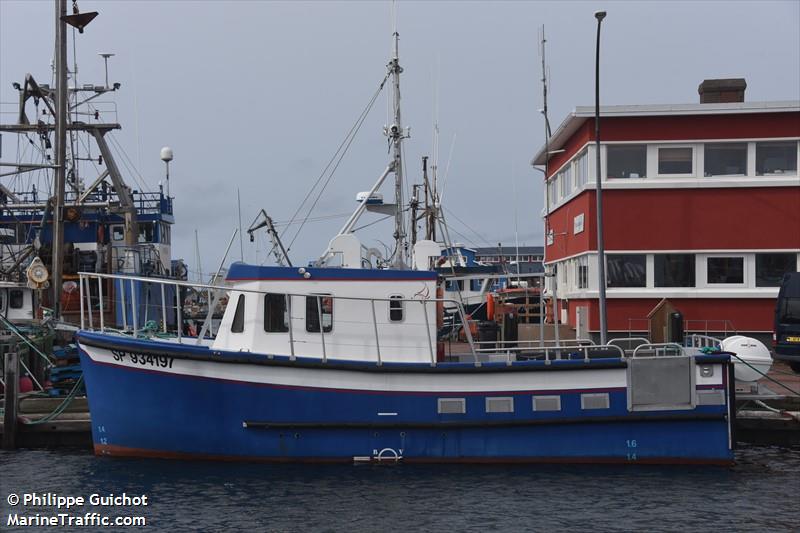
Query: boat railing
(657,349)
(532,350)
(723,326)
(629,344)
(169,307)
(696,340)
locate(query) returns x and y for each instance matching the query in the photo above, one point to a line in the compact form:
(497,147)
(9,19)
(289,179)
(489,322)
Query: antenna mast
(396,135)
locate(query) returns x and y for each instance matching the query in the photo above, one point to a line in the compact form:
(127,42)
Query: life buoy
(490,306)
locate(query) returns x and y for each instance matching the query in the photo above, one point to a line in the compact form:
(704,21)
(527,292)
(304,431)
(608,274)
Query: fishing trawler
(338,361)
(66,207)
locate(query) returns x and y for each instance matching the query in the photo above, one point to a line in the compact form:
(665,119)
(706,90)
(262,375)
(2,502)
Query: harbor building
(701,209)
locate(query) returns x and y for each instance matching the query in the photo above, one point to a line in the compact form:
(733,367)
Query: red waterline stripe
(123,451)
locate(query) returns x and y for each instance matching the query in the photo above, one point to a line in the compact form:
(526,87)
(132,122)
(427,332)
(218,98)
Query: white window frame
(652,160)
(701,270)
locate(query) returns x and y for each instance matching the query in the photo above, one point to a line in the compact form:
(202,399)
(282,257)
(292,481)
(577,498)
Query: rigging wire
(481,238)
(340,153)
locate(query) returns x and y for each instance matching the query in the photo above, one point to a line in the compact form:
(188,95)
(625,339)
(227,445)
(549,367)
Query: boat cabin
(336,313)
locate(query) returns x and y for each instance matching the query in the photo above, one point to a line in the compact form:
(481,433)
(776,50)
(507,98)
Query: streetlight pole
(601,259)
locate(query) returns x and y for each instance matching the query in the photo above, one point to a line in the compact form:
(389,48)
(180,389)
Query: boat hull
(190,402)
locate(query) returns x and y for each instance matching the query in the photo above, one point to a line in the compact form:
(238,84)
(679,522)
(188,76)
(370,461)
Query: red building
(701,206)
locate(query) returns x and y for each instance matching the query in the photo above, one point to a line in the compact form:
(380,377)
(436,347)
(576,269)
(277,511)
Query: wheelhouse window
(454,285)
(396,308)
(237,326)
(725,270)
(674,270)
(117,233)
(770,268)
(146,232)
(16,299)
(725,159)
(627,270)
(276,317)
(776,158)
(316,306)
(626,161)
(675,160)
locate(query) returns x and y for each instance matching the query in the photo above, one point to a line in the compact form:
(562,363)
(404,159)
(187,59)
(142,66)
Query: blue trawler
(339,361)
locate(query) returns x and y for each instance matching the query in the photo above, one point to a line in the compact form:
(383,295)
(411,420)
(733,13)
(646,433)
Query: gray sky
(258,95)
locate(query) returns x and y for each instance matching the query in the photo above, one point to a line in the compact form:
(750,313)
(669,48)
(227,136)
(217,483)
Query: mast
(396,134)
(60,153)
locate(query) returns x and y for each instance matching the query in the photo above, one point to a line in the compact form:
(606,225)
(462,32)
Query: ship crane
(277,246)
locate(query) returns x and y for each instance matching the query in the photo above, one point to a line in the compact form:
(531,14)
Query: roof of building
(581,114)
(509,251)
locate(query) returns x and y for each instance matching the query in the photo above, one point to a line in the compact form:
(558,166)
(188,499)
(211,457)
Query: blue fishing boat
(339,362)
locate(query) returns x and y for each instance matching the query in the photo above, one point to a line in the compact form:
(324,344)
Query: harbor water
(759,493)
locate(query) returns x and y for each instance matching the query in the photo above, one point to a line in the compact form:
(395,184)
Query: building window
(276,317)
(675,160)
(725,270)
(776,158)
(583,272)
(725,159)
(551,191)
(674,270)
(770,268)
(582,170)
(395,308)
(237,326)
(316,306)
(626,161)
(626,270)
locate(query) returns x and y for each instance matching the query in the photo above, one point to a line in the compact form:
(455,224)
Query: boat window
(454,285)
(770,268)
(595,401)
(626,270)
(725,270)
(117,233)
(475,285)
(776,158)
(451,406)
(165,237)
(500,405)
(395,308)
(675,160)
(315,304)
(276,317)
(547,403)
(674,270)
(16,299)
(626,161)
(238,318)
(146,232)
(725,159)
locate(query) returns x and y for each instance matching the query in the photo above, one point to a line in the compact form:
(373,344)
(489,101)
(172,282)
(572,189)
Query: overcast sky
(258,95)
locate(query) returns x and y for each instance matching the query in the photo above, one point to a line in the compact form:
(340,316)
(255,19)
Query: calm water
(760,493)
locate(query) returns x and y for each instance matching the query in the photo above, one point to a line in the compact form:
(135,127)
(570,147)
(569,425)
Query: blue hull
(147,412)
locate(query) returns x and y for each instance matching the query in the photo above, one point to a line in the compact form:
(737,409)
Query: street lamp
(601,259)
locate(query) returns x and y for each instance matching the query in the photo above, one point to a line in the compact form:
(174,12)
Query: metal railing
(658,349)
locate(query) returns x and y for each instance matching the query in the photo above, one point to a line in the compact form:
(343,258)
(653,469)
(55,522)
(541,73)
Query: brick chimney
(722,91)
